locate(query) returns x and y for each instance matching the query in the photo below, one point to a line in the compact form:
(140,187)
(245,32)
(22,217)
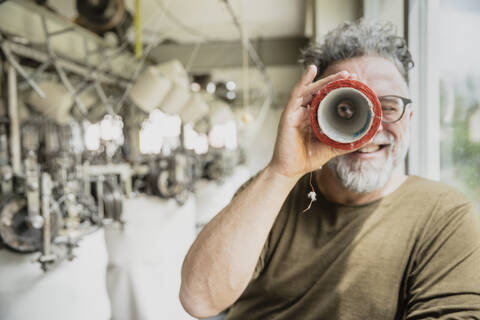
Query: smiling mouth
(372,148)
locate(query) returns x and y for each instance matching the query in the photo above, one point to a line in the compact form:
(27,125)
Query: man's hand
(297,149)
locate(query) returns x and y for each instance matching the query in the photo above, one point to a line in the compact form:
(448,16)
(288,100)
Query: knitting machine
(55,187)
(49,206)
(49,199)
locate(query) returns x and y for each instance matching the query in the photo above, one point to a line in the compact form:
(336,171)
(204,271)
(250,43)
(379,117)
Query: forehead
(378,73)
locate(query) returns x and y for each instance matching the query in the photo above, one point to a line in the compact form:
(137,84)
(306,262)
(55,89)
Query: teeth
(371,148)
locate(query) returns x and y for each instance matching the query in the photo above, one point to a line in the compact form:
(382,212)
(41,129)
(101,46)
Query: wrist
(272,172)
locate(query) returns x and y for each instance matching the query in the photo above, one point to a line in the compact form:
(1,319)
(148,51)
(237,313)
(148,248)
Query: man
(375,245)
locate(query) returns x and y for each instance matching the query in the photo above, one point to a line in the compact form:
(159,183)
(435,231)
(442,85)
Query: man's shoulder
(434,190)
(436,199)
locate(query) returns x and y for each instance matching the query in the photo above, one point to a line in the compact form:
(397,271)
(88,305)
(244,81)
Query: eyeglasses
(393,107)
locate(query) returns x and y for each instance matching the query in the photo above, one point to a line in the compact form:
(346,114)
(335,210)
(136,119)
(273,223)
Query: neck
(333,190)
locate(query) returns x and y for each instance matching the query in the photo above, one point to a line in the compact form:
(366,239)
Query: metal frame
(424,155)
(84,70)
(42,207)
(94,74)
(15,145)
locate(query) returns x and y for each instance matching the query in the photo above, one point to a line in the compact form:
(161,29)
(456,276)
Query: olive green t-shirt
(414,254)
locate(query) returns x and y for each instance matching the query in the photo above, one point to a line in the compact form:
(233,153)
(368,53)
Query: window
(446,88)
(459,63)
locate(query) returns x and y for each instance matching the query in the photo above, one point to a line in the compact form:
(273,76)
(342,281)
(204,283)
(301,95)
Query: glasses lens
(392,108)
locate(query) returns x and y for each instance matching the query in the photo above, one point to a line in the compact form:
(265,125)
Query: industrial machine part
(172,176)
(47,257)
(214,168)
(219,163)
(6,172)
(108,194)
(45,201)
(112,200)
(102,16)
(49,206)
(47,178)
(17,231)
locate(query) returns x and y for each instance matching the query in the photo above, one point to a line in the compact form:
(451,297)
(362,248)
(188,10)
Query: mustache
(383,138)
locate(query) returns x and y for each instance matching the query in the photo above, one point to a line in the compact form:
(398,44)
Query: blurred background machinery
(125,126)
(105,152)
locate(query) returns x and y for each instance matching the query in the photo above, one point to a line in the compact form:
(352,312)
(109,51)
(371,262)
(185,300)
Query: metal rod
(104,98)
(11,59)
(86,178)
(101,208)
(36,73)
(61,73)
(15,145)
(85,86)
(6,181)
(46,193)
(3,90)
(32,191)
(94,70)
(58,32)
(67,64)
(47,257)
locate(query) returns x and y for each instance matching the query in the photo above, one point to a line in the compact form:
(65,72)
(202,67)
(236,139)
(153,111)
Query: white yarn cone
(220,112)
(150,89)
(194,109)
(56,104)
(176,98)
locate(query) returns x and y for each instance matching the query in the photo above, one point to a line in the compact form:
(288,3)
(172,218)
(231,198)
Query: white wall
(328,14)
(391,10)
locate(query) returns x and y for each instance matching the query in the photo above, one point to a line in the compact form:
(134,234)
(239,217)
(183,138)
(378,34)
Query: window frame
(424,82)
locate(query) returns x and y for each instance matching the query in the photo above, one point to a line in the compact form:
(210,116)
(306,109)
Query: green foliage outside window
(460,152)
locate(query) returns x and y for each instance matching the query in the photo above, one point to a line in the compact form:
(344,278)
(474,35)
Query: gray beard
(364,176)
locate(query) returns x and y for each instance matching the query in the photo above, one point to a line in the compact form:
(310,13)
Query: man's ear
(411,113)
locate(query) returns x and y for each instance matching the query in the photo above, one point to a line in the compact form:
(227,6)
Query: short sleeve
(444,282)
(261,259)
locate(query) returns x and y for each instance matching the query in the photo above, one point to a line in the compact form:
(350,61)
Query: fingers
(304,90)
(294,104)
(309,75)
(298,92)
(304,83)
(354,76)
(315,87)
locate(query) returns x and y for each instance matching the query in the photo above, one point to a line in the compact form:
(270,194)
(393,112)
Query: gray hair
(360,38)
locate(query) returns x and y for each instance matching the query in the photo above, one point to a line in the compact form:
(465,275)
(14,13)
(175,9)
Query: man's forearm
(222,260)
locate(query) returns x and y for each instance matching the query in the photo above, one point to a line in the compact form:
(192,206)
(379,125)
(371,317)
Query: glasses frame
(405,101)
